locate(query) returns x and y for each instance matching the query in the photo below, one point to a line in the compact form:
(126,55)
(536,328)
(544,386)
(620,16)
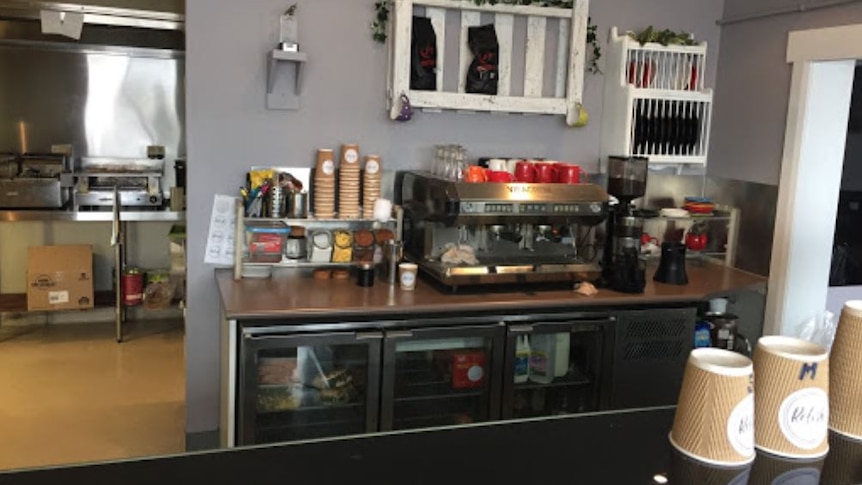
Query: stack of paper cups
(348,183)
(845,377)
(371,185)
(684,470)
(324,185)
(773,470)
(844,461)
(792,405)
(714,420)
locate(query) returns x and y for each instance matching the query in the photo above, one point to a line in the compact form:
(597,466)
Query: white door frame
(823,65)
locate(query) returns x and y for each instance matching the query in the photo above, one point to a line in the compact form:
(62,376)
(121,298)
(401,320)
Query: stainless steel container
(276,203)
(393,252)
(297,205)
(24,193)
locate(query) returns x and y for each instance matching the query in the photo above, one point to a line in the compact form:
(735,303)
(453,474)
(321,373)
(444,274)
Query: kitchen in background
(106,110)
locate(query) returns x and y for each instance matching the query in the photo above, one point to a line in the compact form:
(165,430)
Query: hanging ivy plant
(379,25)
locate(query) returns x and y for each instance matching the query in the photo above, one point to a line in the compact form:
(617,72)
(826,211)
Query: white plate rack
(656,105)
(565,63)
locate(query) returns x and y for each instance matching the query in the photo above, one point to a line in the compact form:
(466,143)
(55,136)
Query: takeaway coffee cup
(714,420)
(844,462)
(845,373)
(775,470)
(407,275)
(792,405)
(685,470)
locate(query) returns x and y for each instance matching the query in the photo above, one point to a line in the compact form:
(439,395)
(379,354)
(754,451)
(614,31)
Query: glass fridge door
(553,368)
(440,377)
(308,386)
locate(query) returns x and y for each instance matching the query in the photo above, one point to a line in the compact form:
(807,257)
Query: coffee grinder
(623,269)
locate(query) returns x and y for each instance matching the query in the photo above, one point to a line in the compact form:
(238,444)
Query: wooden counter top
(293,293)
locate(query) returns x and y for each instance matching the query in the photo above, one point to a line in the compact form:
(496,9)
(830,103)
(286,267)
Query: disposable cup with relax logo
(714,421)
(407,273)
(845,374)
(776,470)
(792,405)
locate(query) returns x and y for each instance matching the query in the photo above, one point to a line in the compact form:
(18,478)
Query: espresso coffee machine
(516,232)
(623,269)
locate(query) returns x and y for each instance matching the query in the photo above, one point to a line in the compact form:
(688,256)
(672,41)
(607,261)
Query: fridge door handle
(399,334)
(521,328)
(369,336)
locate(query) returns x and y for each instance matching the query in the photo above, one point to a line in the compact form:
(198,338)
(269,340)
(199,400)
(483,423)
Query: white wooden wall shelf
(655,102)
(568,65)
(284,99)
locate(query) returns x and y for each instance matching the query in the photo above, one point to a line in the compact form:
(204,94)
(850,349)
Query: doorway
(824,62)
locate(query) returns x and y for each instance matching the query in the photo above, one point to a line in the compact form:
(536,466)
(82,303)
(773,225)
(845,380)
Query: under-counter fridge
(556,365)
(295,386)
(441,376)
(417,374)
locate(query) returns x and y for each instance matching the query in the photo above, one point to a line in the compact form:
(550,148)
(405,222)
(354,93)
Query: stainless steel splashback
(106,101)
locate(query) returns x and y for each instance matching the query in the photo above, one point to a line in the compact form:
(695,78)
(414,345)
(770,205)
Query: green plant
(664,37)
(379,26)
(381,20)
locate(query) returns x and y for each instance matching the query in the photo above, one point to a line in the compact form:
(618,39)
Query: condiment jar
(296,245)
(365,275)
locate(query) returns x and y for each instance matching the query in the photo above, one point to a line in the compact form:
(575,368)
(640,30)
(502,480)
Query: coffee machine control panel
(530,208)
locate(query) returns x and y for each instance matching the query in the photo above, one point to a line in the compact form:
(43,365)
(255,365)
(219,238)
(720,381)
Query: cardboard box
(59,278)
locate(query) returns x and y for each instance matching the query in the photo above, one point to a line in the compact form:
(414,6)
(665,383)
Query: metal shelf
(87,216)
(303,264)
(698,218)
(574,379)
(336,223)
(17,302)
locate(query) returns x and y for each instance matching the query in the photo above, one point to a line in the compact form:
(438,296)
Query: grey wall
(229,129)
(753,86)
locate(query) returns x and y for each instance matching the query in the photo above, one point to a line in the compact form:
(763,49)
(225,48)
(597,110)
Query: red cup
(570,174)
(499,176)
(525,172)
(475,174)
(547,172)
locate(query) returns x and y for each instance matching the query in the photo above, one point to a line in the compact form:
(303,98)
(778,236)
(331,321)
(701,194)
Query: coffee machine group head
(623,269)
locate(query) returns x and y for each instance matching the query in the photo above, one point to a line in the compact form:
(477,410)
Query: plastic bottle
(522,359)
(561,357)
(542,358)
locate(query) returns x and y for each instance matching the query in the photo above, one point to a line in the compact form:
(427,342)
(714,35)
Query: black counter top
(607,448)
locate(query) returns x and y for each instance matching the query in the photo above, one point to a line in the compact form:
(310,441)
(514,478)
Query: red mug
(499,176)
(570,173)
(646,239)
(525,172)
(695,242)
(547,173)
(475,174)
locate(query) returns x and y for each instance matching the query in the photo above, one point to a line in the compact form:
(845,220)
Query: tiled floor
(70,393)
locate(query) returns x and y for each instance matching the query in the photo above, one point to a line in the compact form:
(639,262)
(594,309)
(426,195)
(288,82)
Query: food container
(296,248)
(159,291)
(320,247)
(133,287)
(468,369)
(266,240)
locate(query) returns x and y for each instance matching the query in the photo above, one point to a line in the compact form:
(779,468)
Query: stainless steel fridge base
(128,198)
